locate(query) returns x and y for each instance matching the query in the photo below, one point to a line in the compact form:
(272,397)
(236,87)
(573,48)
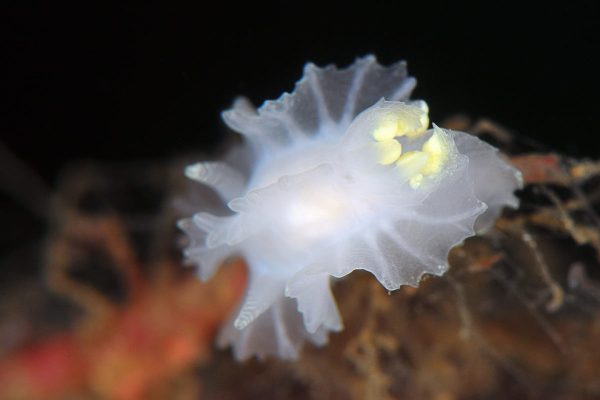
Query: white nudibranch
(344,174)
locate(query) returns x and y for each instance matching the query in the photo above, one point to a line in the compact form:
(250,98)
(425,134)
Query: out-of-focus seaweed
(143,320)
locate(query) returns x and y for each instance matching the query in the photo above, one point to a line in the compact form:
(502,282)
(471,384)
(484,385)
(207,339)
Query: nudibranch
(344,173)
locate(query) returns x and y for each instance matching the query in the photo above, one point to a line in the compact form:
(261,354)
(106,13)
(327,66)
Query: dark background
(127,82)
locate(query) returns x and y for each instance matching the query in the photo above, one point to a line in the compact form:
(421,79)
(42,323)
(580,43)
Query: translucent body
(339,179)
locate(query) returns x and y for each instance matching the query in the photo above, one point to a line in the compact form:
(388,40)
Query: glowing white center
(314,215)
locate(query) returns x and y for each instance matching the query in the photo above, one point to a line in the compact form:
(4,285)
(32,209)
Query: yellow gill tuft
(388,151)
(437,147)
